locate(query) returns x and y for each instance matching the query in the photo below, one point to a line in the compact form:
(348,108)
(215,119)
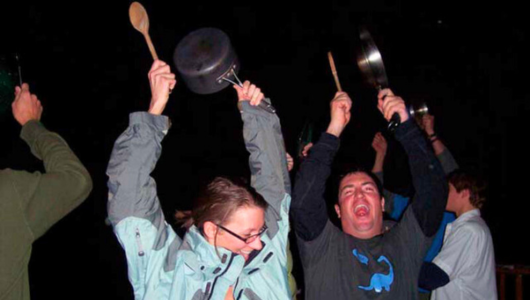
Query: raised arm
(264,141)
(394,204)
(428,177)
(133,207)
(444,155)
(132,191)
(308,209)
(380,146)
(50,196)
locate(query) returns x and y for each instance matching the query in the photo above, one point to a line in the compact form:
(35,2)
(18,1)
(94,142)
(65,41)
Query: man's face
(360,206)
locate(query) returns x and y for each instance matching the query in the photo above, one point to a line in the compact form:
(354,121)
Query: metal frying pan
(207,62)
(373,70)
(370,62)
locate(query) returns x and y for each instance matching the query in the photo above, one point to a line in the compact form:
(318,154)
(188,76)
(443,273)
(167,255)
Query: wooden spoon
(334,71)
(140,21)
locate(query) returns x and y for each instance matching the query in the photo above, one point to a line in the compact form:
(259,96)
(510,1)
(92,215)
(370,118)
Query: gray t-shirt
(340,266)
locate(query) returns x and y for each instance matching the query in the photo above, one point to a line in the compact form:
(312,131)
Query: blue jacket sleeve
(308,209)
(428,178)
(133,207)
(268,162)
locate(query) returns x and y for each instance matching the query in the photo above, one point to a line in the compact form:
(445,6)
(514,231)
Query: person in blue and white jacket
(236,247)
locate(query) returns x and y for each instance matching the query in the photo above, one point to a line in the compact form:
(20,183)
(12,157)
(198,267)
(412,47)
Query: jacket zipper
(139,243)
(235,288)
(215,280)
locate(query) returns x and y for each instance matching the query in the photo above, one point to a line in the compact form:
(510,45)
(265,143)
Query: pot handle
(264,104)
(267,106)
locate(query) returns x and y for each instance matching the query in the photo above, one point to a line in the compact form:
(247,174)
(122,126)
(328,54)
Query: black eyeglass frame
(246,240)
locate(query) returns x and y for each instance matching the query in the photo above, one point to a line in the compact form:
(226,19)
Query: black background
(89,68)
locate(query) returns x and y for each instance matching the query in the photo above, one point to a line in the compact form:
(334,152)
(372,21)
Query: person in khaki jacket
(30,203)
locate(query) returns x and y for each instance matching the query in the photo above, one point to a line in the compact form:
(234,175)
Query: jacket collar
(200,246)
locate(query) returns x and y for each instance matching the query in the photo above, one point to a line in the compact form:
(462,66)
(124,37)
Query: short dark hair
(466,180)
(356,170)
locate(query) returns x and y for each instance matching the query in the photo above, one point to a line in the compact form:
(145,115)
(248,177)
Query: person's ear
(382,204)
(337,209)
(210,230)
(466,194)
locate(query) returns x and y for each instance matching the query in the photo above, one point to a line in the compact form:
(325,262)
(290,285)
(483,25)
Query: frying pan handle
(394,122)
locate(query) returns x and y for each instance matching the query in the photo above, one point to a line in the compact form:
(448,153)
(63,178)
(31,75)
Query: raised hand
(340,113)
(162,81)
(379,144)
(26,106)
(249,92)
(427,122)
(391,104)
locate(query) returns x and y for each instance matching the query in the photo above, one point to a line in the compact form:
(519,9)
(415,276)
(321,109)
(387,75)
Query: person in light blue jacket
(236,247)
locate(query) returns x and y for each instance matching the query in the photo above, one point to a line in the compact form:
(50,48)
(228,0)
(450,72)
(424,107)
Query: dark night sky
(89,67)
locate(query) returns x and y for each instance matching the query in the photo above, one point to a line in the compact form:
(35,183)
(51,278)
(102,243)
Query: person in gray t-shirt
(362,261)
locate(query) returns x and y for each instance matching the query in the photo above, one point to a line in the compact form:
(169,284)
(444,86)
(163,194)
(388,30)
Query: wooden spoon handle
(151,46)
(334,71)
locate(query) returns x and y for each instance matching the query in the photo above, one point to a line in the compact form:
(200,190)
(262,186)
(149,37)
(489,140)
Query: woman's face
(245,222)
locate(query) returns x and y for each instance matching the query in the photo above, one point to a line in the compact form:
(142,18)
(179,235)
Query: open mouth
(361,210)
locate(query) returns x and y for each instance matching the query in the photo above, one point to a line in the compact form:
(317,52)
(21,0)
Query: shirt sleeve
(448,161)
(432,277)
(133,205)
(268,162)
(308,209)
(428,178)
(48,197)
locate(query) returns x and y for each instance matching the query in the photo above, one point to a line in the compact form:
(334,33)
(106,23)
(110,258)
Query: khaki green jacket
(30,203)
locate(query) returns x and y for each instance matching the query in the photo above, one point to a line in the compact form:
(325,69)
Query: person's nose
(358,194)
(256,244)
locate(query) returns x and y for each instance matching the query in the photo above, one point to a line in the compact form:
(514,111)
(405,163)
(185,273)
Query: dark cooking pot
(203,58)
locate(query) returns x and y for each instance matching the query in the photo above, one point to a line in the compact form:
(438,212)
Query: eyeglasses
(249,239)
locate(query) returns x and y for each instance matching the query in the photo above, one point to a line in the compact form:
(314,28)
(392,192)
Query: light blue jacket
(163,266)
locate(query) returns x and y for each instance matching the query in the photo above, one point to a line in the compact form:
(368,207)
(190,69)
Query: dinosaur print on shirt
(378,281)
